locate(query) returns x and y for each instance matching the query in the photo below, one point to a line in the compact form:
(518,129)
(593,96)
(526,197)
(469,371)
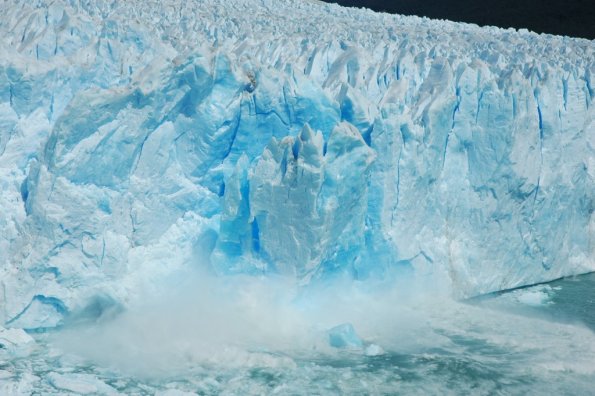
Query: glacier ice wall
(283,137)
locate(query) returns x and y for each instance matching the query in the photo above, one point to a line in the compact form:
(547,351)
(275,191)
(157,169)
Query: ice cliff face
(283,137)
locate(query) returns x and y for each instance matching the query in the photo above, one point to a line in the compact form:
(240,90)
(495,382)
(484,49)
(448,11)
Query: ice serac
(289,210)
(285,137)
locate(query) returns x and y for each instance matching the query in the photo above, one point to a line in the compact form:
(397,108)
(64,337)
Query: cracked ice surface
(283,137)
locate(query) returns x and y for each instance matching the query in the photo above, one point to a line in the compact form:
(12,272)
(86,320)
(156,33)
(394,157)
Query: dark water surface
(574,300)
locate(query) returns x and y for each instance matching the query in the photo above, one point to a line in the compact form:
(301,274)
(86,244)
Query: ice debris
(344,336)
(15,343)
(534,296)
(373,350)
(82,384)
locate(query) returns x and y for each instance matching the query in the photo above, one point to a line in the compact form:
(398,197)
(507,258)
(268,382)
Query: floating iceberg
(287,137)
(344,337)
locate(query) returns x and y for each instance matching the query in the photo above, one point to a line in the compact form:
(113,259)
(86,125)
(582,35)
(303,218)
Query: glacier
(283,137)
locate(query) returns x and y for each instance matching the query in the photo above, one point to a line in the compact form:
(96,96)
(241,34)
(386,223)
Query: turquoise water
(572,301)
(537,340)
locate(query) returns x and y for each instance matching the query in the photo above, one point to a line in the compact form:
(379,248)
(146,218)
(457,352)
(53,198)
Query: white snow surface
(138,138)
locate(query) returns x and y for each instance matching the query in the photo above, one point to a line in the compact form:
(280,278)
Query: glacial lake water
(531,341)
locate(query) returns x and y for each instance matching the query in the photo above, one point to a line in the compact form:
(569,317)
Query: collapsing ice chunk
(344,336)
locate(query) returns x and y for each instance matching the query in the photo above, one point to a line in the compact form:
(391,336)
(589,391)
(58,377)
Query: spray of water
(196,321)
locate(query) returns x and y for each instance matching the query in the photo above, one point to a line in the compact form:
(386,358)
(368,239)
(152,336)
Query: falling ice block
(344,336)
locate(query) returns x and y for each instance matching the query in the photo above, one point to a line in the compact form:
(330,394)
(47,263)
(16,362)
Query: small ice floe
(373,350)
(82,384)
(16,342)
(344,336)
(535,296)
